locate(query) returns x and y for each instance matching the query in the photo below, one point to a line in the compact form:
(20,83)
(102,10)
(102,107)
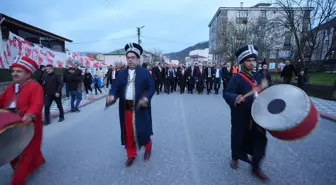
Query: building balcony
(241,20)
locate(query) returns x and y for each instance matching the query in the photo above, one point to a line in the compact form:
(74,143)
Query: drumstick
(107,105)
(262,86)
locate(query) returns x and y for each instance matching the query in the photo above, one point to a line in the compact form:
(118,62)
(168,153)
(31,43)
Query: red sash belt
(129,104)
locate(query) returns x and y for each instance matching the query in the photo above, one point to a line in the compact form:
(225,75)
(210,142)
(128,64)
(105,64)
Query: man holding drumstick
(246,136)
(134,86)
(25,97)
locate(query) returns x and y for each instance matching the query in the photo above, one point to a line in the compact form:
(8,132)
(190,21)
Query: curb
(328,116)
(56,114)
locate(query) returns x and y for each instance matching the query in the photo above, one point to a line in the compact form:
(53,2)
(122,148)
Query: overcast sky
(169,25)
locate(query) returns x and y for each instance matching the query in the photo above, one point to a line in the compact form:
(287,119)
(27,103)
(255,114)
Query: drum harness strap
(250,82)
(255,87)
(15,98)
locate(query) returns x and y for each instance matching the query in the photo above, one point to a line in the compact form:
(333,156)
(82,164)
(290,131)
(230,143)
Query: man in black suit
(209,77)
(200,78)
(181,74)
(170,73)
(191,77)
(158,74)
(226,74)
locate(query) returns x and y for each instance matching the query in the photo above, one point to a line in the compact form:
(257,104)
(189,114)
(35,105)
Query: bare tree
(265,35)
(157,55)
(233,37)
(305,20)
(258,31)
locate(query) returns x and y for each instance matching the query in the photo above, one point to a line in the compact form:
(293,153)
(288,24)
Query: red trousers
(131,146)
(30,160)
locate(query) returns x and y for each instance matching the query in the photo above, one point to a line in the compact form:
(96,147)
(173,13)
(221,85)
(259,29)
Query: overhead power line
(115,9)
(164,40)
(89,42)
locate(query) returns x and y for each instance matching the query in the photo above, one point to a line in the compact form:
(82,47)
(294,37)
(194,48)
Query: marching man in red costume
(25,97)
(134,86)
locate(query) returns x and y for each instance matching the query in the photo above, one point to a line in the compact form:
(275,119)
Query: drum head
(13,140)
(281,107)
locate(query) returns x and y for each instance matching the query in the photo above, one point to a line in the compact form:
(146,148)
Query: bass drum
(14,136)
(285,111)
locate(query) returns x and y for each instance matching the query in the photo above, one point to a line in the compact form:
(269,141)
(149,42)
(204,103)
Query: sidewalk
(326,108)
(87,99)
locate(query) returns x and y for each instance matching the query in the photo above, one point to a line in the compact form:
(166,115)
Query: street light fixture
(139,34)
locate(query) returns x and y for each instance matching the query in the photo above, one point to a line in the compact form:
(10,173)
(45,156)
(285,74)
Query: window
(52,44)
(5,32)
(242,14)
(327,43)
(242,17)
(29,36)
(45,42)
(57,45)
(263,13)
(223,13)
(288,38)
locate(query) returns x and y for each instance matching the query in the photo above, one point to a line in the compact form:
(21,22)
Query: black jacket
(65,74)
(39,75)
(287,71)
(262,74)
(52,84)
(87,78)
(73,81)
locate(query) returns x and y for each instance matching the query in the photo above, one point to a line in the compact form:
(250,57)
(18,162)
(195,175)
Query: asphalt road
(191,145)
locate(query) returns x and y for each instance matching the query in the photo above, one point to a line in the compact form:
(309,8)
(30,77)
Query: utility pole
(139,34)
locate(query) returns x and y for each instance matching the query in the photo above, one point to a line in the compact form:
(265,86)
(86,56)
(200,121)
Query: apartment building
(279,38)
(326,42)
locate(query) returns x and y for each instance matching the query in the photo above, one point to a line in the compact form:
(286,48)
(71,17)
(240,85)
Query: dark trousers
(97,88)
(175,83)
(158,85)
(67,90)
(182,85)
(109,81)
(200,85)
(169,85)
(87,87)
(209,84)
(247,140)
(48,100)
(191,85)
(161,85)
(225,82)
(287,80)
(217,84)
(76,96)
(301,81)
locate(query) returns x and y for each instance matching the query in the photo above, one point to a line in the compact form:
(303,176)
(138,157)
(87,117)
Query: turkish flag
(60,64)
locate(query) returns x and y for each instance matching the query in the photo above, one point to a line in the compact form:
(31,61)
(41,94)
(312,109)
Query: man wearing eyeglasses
(134,86)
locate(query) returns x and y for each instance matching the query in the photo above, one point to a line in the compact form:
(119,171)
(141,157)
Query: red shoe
(130,161)
(18,182)
(147,154)
(260,175)
(234,164)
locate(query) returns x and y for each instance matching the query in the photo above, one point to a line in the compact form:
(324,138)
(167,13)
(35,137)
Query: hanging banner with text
(16,45)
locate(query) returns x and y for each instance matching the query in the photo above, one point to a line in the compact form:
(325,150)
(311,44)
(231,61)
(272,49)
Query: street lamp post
(139,34)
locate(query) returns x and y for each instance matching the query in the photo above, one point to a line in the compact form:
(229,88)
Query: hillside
(185,52)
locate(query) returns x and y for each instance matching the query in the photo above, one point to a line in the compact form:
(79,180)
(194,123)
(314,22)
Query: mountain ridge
(180,55)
